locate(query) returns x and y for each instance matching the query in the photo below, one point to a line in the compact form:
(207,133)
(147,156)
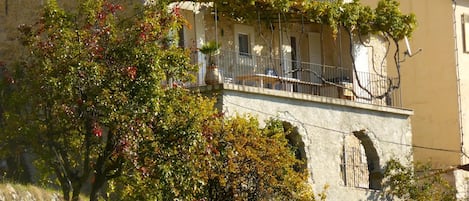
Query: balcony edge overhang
(305,97)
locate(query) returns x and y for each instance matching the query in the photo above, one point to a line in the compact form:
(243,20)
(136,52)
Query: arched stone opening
(296,142)
(360,159)
(372,157)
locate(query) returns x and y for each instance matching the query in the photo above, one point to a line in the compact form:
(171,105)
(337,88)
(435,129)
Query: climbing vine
(386,21)
(359,18)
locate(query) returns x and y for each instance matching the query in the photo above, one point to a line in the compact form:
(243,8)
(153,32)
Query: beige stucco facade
(430,81)
(435,84)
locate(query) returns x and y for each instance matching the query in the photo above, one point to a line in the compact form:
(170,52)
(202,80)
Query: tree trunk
(77,183)
(99,181)
(66,192)
(64,182)
(100,168)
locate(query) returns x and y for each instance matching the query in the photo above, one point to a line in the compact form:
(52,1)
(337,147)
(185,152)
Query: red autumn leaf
(97,130)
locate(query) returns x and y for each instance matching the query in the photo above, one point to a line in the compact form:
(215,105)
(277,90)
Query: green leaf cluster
(253,163)
(169,158)
(93,100)
(386,18)
(210,48)
(92,81)
(419,182)
(234,159)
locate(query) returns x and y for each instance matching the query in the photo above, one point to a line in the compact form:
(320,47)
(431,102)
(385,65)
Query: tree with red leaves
(89,101)
(91,89)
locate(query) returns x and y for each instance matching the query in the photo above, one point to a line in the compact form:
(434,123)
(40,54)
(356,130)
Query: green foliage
(359,18)
(210,48)
(170,156)
(234,159)
(92,100)
(89,100)
(390,20)
(355,17)
(417,183)
(252,163)
(89,86)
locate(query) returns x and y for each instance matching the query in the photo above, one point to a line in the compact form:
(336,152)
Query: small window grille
(355,166)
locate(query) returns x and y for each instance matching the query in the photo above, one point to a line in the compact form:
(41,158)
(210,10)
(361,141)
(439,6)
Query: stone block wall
(16,12)
(329,129)
(12,14)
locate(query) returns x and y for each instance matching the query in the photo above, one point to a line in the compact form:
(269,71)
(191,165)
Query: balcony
(303,77)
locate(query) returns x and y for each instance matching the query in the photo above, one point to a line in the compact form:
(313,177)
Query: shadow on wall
(375,195)
(374,168)
(294,140)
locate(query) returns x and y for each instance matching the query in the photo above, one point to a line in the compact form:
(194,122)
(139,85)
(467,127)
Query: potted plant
(212,76)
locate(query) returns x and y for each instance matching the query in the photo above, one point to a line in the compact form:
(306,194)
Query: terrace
(302,77)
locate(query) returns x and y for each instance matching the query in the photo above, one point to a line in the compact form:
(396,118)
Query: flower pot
(212,76)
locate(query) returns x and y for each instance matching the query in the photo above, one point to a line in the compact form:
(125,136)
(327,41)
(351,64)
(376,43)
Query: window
(244,46)
(360,162)
(244,43)
(355,166)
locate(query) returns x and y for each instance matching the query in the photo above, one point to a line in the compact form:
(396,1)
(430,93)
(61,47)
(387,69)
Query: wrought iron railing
(303,77)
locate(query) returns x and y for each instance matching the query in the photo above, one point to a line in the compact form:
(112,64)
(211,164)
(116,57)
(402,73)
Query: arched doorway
(297,144)
(360,159)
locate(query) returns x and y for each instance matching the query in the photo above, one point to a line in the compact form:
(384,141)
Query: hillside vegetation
(12,192)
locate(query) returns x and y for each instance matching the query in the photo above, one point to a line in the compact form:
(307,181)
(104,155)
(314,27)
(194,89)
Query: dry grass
(27,192)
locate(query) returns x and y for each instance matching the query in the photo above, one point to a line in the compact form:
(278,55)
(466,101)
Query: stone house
(301,73)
